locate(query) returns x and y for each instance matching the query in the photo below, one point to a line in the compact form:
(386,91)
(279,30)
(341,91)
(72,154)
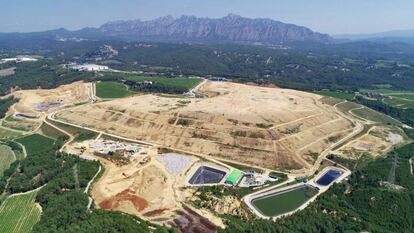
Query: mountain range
(232,28)
(405,36)
(229,29)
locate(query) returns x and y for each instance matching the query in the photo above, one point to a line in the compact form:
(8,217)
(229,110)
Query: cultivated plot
(19,213)
(7,157)
(110,90)
(36,143)
(7,134)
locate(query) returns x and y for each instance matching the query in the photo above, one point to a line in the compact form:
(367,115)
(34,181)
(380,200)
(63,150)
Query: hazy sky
(329,16)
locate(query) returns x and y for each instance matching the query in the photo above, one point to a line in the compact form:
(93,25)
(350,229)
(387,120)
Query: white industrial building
(88,67)
(109,146)
(17,59)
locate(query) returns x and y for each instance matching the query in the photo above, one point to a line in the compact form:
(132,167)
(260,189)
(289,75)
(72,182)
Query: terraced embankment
(267,127)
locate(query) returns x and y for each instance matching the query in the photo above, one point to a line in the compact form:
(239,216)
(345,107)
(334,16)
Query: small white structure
(88,67)
(109,146)
(18,59)
(252,179)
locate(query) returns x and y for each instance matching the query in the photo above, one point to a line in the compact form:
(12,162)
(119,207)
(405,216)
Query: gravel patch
(394,139)
(175,164)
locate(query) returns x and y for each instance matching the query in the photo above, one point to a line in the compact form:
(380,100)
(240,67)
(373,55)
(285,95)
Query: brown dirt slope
(268,127)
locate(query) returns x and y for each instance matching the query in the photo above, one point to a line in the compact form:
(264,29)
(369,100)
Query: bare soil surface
(33,102)
(143,187)
(189,221)
(267,127)
(7,72)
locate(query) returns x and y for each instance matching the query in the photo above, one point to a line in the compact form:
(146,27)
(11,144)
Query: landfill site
(284,133)
(157,152)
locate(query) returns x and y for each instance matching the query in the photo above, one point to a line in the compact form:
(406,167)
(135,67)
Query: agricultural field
(19,213)
(395,98)
(385,91)
(111,90)
(12,118)
(6,134)
(50,132)
(36,143)
(20,124)
(79,133)
(371,115)
(7,157)
(400,101)
(336,94)
(277,204)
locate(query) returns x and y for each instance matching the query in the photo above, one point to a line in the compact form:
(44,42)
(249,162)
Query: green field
(36,143)
(4,133)
(336,94)
(181,82)
(396,98)
(384,91)
(7,157)
(331,100)
(15,125)
(17,149)
(79,133)
(12,118)
(346,106)
(110,90)
(284,202)
(404,96)
(18,214)
(400,101)
(369,114)
(50,132)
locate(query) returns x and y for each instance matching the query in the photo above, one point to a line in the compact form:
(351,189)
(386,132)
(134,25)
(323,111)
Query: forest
(5,105)
(348,66)
(309,68)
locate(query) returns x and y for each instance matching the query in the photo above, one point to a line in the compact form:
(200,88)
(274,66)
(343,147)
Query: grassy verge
(7,134)
(243,167)
(369,114)
(79,133)
(336,94)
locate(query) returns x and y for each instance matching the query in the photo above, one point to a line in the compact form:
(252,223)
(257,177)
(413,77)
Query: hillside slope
(232,28)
